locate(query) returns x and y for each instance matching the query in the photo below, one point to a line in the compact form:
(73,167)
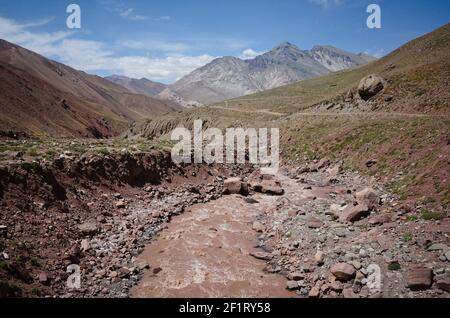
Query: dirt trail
(336,114)
(206,253)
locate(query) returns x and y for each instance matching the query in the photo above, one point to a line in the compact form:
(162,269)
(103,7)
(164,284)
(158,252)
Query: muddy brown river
(206,253)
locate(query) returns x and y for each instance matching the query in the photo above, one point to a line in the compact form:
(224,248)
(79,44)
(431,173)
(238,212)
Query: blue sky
(164,40)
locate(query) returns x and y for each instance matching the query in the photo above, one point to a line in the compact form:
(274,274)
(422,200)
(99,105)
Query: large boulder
(370,86)
(419,278)
(88,228)
(353,213)
(343,271)
(235,186)
(369,197)
(271,187)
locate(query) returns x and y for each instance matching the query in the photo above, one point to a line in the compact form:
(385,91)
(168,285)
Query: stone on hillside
(235,186)
(141,264)
(447,255)
(444,283)
(353,213)
(88,228)
(323,163)
(271,187)
(296,276)
(370,86)
(262,255)
(292,285)
(343,271)
(121,204)
(368,197)
(314,223)
(43,278)
(85,245)
(438,247)
(419,278)
(258,227)
(319,257)
(348,293)
(315,291)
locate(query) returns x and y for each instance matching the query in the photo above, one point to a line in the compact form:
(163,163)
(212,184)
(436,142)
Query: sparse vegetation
(35,262)
(407,237)
(431,215)
(394,266)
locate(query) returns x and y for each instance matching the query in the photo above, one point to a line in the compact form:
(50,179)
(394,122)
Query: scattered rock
(349,293)
(447,255)
(124,272)
(235,186)
(343,271)
(85,245)
(262,255)
(270,187)
(438,247)
(314,223)
(444,283)
(368,197)
(88,228)
(323,163)
(292,285)
(43,278)
(74,254)
(258,227)
(370,86)
(121,204)
(251,201)
(419,278)
(353,213)
(141,264)
(315,291)
(296,276)
(113,274)
(370,163)
(319,257)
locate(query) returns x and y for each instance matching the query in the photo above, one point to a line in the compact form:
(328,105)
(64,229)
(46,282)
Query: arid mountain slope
(43,97)
(230,77)
(417,76)
(138,86)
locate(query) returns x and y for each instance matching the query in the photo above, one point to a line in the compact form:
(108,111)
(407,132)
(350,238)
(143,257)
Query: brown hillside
(43,97)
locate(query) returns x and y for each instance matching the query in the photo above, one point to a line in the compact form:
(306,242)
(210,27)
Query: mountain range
(139,86)
(231,77)
(43,97)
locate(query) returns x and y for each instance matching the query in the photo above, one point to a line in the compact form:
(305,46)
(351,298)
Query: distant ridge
(230,77)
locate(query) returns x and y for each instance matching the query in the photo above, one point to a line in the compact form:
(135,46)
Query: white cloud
(163,18)
(129,14)
(155,45)
(250,54)
(95,56)
(378,53)
(326,3)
